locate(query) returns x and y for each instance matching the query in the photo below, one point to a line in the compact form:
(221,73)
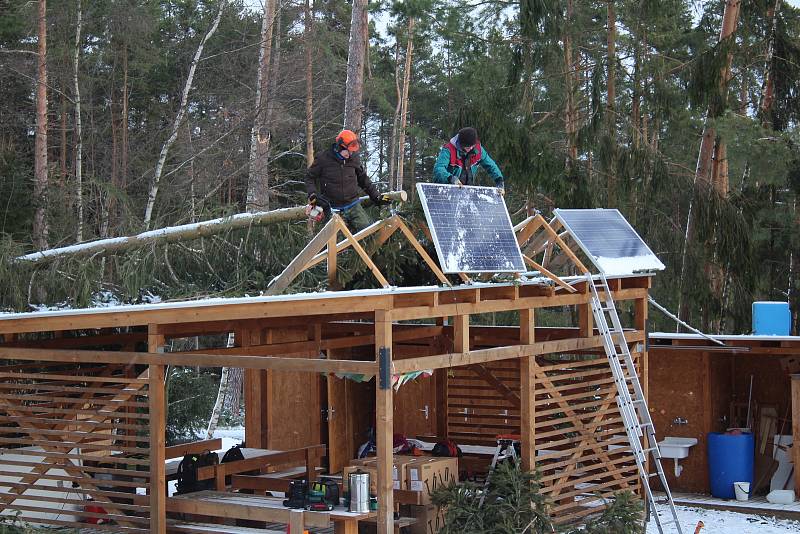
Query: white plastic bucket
(742,490)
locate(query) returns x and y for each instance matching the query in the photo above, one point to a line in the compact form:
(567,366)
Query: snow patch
(628,265)
(724,522)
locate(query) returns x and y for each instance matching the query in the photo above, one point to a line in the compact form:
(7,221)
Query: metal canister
(359,492)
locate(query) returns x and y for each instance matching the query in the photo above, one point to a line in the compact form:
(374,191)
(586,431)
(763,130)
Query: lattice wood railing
(582,451)
(74,445)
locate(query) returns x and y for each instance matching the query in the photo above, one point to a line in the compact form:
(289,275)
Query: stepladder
(507,445)
(632,404)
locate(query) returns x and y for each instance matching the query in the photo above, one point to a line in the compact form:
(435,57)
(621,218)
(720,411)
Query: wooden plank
(158,424)
(361,252)
(558,281)
(300,262)
(241,507)
(497,385)
(527,334)
(192,359)
(196,447)
(796,430)
(422,252)
(457,359)
(345,243)
(332,268)
(564,247)
(384,430)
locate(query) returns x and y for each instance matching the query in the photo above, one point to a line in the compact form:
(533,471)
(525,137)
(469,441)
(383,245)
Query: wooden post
(796,431)
(255,391)
(585,319)
(527,336)
(332,274)
(157,405)
(441,386)
(461,333)
(384,421)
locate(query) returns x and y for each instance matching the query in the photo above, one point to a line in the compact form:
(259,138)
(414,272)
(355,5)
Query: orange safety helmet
(348,140)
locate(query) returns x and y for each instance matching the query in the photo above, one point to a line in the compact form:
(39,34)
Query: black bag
(232,455)
(187,472)
(447,448)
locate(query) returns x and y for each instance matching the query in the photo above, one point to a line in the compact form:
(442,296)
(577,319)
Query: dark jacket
(338,181)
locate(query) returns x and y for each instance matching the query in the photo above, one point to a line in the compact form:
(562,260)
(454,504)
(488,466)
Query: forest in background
(681,113)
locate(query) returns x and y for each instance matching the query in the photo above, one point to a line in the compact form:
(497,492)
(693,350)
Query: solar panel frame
(429,194)
(610,264)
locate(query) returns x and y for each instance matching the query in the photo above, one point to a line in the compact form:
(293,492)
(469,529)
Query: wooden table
(261,508)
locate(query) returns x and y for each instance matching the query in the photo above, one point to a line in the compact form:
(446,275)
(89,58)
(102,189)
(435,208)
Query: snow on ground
(722,522)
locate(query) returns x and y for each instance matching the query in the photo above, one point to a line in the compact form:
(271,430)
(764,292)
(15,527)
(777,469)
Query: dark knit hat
(467,136)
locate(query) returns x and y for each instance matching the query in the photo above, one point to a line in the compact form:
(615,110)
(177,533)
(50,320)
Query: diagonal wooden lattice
(84,427)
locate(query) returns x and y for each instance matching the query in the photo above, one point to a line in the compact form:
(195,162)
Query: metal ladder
(632,406)
(506,443)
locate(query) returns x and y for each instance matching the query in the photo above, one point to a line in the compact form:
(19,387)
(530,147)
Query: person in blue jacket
(459,159)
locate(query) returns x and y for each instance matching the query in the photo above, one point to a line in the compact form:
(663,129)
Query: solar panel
(471,229)
(609,241)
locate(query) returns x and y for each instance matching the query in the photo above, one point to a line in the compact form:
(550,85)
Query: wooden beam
(549,275)
(497,384)
(458,359)
(332,268)
(527,228)
(422,252)
(310,365)
(385,427)
(345,244)
(527,386)
(562,245)
(299,263)
(255,391)
(157,401)
(796,431)
(361,252)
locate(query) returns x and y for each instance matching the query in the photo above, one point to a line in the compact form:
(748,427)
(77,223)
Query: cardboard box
(398,470)
(425,475)
(430,519)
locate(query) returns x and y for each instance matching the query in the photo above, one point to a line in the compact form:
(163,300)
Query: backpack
(447,448)
(187,472)
(233,454)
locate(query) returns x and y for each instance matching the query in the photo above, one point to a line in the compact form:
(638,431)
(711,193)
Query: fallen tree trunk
(172,234)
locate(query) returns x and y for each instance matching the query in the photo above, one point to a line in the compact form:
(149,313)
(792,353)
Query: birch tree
(40,178)
(78,130)
(258,179)
(401,142)
(176,124)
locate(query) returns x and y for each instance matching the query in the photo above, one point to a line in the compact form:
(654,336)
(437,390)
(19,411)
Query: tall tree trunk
(611,118)
(258,180)
(63,151)
(354,86)
(712,164)
(571,121)
(151,198)
(309,22)
(768,85)
(401,142)
(412,160)
(40,145)
(78,130)
(707,171)
(396,119)
(123,178)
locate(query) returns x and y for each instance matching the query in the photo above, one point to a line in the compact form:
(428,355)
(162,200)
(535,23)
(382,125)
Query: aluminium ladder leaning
(632,405)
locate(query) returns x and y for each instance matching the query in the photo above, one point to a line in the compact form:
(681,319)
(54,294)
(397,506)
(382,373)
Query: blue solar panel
(471,229)
(609,240)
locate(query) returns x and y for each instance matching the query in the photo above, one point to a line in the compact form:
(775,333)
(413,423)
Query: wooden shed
(82,394)
(698,386)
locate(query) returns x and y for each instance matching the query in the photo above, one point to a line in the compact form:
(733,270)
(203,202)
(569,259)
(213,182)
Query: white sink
(673,447)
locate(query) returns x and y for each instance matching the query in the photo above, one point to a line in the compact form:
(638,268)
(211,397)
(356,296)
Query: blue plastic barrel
(730,459)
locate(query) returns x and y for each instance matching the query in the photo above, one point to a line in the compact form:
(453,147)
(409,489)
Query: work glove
(501,188)
(455,181)
(381,200)
(312,199)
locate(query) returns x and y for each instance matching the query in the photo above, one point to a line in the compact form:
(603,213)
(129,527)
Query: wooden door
(351,413)
(415,408)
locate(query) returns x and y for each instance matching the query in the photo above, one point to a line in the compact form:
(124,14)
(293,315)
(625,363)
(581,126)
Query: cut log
(185,232)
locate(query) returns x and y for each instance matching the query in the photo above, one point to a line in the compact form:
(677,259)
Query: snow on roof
(732,337)
(220,301)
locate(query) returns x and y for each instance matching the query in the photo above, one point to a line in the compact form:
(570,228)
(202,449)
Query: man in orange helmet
(335,180)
